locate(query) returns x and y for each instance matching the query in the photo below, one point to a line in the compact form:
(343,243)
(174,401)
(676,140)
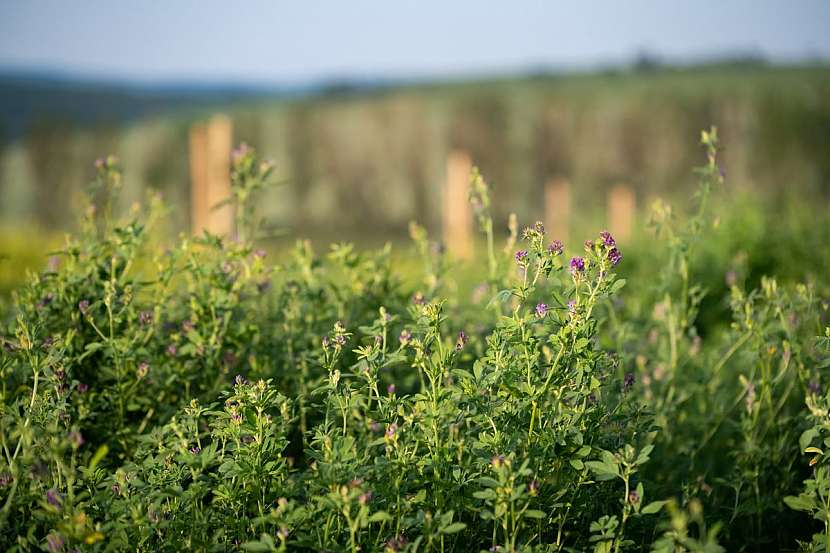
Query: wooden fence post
(621,210)
(199,208)
(558,209)
(210,180)
(457,214)
(220,137)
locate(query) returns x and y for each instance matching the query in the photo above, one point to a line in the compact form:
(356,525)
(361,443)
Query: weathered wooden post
(210,158)
(220,138)
(199,208)
(457,214)
(558,209)
(621,210)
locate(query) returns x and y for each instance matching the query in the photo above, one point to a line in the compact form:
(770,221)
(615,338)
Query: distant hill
(28,97)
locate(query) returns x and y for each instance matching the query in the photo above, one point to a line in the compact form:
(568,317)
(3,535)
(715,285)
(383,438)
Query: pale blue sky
(272,41)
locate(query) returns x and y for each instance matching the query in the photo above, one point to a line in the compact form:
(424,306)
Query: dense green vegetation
(670,395)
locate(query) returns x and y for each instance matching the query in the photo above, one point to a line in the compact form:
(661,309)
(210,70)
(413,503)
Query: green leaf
(653,507)
(800,503)
(380,516)
(100,453)
(807,437)
(488,482)
(534,513)
(501,297)
(617,286)
(581,344)
(453,528)
(255,546)
(577,464)
(603,470)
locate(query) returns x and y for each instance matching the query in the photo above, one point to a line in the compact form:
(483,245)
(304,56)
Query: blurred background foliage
(358,162)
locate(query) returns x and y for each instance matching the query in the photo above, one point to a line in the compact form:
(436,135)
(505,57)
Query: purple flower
(396,544)
(633,497)
(365,498)
(577,265)
(53,497)
(375,427)
(76,439)
(814,387)
(628,381)
(143,369)
(533,488)
(54,542)
(418,299)
(497,461)
(614,256)
(239,152)
(339,340)
(405,337)
(195,450)
(556,248)
(53,263)
(750,396)
(46,300)
(240,380)
(391,430)
(541,310)
(83,306)
(145,318)
(8,346)
(589,245)
(83,388)
(572,307)
(521,257)
(539,227)
(172,350)
(607,239)
(462,339)
(390,389)
(5,479)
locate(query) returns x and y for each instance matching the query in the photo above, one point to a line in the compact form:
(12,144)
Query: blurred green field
(368,161)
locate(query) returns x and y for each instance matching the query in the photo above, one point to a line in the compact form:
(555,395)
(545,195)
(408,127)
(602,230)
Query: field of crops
(669,394)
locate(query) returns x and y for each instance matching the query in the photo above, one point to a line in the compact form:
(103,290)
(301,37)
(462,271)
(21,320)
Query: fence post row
(210,147)
(621,210)
(558,209)
(457,214)
(210,156)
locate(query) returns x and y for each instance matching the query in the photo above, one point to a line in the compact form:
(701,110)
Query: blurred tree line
(360,163)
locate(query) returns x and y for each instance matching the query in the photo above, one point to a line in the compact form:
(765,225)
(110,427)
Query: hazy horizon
(270,44)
